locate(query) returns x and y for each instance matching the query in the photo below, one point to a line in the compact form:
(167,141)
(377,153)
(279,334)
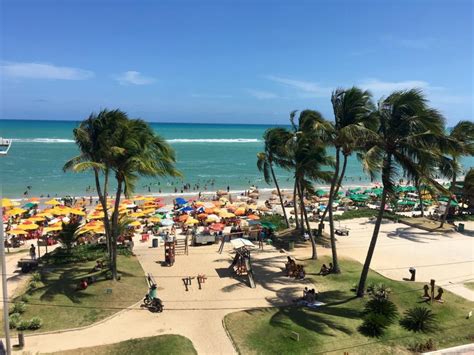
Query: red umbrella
(217,227)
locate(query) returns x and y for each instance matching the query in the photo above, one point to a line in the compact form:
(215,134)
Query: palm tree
(139,152)
(275,140)
(308,150)
(407,128)
(68,235)
(468,188)
(463,135)
(352,118)
(93,137)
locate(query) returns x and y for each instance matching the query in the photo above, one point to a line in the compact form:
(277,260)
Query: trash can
(154,243)
(461,227)
(21,340)
(291,246)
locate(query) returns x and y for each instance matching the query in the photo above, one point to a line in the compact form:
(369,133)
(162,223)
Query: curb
(234,345)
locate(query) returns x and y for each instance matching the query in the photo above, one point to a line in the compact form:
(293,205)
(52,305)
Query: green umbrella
(320,193)
(268,225)
(406,203)
(454,203)
(427,202)
(29,205)
(355,189)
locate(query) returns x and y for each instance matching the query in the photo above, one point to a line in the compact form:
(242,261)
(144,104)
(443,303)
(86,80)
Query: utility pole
(6,320)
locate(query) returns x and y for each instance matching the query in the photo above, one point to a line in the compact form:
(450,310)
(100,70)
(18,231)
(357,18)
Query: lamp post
(6,320)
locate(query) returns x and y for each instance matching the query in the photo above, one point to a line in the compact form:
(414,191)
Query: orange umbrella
(34,199)
(183,217)
(202,215)
(240,211)
(209,210)
(253,217)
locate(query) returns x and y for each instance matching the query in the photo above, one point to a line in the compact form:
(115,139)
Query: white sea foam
(42,140)
(216,140)
(180,140)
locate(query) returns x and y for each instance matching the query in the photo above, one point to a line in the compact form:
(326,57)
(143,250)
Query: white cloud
(44,71)
(262,95)
(134,78)
(307,87)
(379,87)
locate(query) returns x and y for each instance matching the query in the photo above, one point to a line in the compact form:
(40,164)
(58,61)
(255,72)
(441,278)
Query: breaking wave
(179,140)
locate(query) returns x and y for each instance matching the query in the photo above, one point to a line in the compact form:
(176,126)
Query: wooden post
(38,246)
(432,283)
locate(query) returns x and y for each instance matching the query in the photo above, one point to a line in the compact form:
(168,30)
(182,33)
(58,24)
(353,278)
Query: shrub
(374,325)
(379,291)
(18,307)
(423,346)
(36,276)
(15,319)
(383,307)
(23,325)
(33,285)
(35,323)
(25,298)
(419,319)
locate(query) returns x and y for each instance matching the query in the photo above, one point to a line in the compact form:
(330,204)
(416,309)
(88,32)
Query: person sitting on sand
(82,285)
(300,273)
(99,265)
(290,266)
(331,268)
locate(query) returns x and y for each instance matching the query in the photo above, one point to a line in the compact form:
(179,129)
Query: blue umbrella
(180,201)
(187,209)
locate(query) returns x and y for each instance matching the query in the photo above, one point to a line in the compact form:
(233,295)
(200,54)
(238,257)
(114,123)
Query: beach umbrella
(240,211)
(34,199)
(17,231)
(191,221)
(61,210)
(320,193)
(253,217)
(155,220)
(187,209)
(36,219)
(96,215)
(217,227)
(453,204)
(183,218)
(138,198)
(28,226)
(167,222)
(148,211)
(212,217)
(354,190)
(52,202)
(77,212)
(163,210)
(7,203)
(135,224)
(268,225)
(29,205)
(47,230)
(180,201)
(263,208)
(225,214)
(15,211)
(136,214)
(202,216)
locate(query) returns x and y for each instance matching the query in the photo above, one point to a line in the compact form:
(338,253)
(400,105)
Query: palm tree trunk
(279,195)
(418,189)
(451,191)
(103,202)
(301,197)
(295,204)
(314,254)
(335,262)
(115,215)
(375,234)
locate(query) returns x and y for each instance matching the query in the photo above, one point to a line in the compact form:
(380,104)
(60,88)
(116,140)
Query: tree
(468,188)
(352,118)
(275,140)
(68,235)
(138,152)
(308,152)
(407,129)
(463,135)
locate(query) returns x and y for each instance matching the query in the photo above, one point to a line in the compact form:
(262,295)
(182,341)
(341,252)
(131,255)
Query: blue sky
(228,61)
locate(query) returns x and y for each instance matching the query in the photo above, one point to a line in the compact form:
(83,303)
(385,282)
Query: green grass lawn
(57,302)
(469,285)
(162,344)
(334,327)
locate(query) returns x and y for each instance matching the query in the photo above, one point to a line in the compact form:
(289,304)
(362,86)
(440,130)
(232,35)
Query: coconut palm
(275,140)
(138,152)
(68,235)
(463,135)
(407,128)
(468,187)
(308,151)
(93,138)
(352,118)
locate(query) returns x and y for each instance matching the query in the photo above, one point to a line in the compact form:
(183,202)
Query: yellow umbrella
(52,202)
(135,224)
(226,215)
(7,203)
(17,232)
(15,211)
(155,219)
(136,214)
(43,214)
(149,211)
(29,226)
(138,198)
(61,211)
(149,198)
(51,229)
(36,218)
(191,220)
(77,212)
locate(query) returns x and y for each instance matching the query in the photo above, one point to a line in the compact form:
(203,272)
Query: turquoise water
(210,155)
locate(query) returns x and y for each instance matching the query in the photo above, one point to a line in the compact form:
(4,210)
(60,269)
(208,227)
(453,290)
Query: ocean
(211,156)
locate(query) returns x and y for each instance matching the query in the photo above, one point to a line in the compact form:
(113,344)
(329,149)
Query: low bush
(25,298)
(18,307)
(423,346)
(419,319)
(374,325)
(23,325)
(36,276)
(382,306)
(35,323)
(378,291)
(15,319)
(33,285)
(275,219)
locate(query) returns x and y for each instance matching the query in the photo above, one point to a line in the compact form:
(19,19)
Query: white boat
(5,145)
